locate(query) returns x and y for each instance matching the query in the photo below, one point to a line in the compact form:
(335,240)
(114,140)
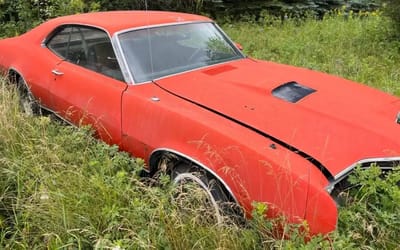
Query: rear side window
(59,43)
(88,47)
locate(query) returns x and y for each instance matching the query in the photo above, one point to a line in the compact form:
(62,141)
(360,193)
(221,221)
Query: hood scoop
(292,92)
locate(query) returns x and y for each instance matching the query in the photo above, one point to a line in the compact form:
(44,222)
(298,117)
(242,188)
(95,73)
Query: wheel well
(13,76)
(164,160)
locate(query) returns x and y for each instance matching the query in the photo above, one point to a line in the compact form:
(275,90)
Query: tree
(192,6)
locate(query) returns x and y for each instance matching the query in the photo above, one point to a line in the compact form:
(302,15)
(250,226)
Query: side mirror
(239,46)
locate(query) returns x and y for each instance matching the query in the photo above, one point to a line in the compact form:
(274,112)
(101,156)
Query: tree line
(17,16)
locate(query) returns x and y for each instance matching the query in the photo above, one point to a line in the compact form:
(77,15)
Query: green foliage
(284,8)
(18,16)
(371,217)
(192,6)
(392,9)
(61,188)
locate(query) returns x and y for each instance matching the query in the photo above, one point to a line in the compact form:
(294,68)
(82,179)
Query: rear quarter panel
(6,53)
(26,56)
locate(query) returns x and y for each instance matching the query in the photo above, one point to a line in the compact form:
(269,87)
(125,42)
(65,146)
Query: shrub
(192,6)
(372,216)
(392,9)
(284,8)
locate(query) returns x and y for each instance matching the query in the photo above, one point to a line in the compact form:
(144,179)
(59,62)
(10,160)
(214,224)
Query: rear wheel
(27,102)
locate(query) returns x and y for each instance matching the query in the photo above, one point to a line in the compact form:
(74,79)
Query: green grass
(61,188)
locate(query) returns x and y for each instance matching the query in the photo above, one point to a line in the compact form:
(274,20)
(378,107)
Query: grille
(384,165)
(339,193)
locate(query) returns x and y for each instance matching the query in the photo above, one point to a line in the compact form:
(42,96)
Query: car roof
(114,21)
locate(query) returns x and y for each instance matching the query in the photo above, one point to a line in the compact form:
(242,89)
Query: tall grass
(61,188)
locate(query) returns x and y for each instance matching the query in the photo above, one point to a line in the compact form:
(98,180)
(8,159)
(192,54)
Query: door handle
(57,72)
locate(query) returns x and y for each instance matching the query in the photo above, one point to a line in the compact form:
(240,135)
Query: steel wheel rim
(181,178)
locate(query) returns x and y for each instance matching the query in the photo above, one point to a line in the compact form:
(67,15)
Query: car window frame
(124,61)
(115,49)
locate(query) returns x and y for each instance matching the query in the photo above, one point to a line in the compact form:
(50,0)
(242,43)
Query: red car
(173,89)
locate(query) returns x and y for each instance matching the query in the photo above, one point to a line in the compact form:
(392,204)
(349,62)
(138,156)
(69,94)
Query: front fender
(253,167)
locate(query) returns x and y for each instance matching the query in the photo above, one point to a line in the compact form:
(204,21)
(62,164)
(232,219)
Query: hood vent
(292,92)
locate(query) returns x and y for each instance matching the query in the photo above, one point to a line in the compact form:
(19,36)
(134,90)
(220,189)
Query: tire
(27,102)
(217,207)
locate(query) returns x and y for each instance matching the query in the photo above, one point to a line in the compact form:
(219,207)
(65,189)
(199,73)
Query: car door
(88,84)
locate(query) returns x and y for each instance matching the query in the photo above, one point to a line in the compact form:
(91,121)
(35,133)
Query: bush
(19,16)
(372,216)
(392,9)
(192,6)
(284,8)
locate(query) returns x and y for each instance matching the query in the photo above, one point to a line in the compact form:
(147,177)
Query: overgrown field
(60,188)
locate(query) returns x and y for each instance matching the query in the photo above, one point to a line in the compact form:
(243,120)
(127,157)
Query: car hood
(338,122)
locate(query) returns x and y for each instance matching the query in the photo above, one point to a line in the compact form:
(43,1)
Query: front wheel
(198,190)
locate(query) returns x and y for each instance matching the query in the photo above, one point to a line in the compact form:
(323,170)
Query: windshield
(160,51)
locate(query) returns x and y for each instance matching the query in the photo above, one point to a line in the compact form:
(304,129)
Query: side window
(88,47)
(59,42)
(75,50)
